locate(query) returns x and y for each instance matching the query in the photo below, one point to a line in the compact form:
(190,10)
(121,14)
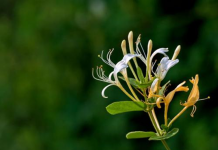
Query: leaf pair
(128,106)
(151,135)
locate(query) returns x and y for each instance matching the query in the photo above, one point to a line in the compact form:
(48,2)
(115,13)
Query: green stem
(157,130)
(155,119)
(130,87)
(133,72)
(165,114)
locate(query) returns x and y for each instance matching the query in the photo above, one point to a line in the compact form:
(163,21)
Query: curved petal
(128,57)
(120,66)
(123,64)
(165,65)
(102,92)
(181,84)
(154,85)
(172,63)
(158,51)
(170,95)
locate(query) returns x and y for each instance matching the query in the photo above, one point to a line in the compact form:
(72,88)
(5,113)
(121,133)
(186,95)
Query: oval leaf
(166,136)
(125,106)
(139,134)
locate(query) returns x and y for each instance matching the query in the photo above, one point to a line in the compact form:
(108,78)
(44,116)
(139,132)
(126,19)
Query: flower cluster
(145,86)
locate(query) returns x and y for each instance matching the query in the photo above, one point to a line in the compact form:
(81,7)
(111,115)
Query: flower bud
(176,52)
(130,39)
(123,47)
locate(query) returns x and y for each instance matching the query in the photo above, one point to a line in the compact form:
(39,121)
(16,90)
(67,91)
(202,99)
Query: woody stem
(157,130)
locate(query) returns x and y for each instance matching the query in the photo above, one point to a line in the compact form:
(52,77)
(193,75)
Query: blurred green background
(48,98)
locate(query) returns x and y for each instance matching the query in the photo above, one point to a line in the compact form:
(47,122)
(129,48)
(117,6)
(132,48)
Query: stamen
(153,66)
(204,98)
(167,86)
(108,53)
(142,49)
(109,58)
(193,111)
(97,72)
(108,61)
(94,75)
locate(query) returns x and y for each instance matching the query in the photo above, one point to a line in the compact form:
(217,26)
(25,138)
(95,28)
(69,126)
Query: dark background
(48,98)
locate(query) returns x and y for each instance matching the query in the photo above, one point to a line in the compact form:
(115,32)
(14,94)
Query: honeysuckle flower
(158,51)
(119,67)
(194,95)
(123,64)
(149,58)
(164,66)
(142,52)
(170,95)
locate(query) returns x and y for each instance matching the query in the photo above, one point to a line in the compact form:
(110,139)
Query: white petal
(165,65)
(102,93)
(120,66)
(128,57)
(123,64)
(171,63)
(160,51)
(154,85)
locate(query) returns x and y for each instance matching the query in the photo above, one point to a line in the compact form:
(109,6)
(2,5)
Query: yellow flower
(194,94)
(170,96)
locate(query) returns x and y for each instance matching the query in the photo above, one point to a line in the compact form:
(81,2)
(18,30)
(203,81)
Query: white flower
(164,66)
(148,59)
(158,51)
(119,67)
(124,63)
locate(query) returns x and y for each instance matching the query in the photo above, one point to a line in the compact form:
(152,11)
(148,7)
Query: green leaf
(132,81)
(125,106)
(139,134)
(166,136)
(143,85)
(136,84)
(140,75)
